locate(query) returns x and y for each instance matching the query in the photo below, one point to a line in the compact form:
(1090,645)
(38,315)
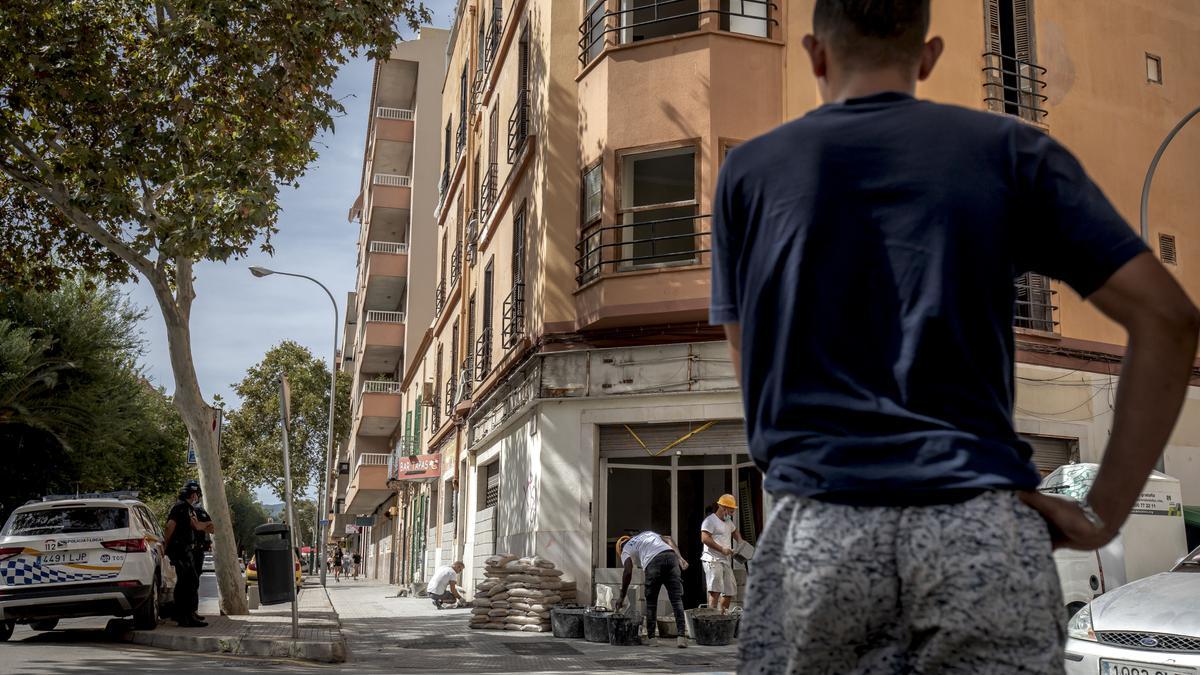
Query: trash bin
(273,555)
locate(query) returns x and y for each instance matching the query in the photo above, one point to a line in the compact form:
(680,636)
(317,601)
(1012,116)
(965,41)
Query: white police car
(88,555)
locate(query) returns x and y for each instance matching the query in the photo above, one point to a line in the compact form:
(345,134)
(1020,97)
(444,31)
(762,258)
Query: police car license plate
(1127,668)
(64,558)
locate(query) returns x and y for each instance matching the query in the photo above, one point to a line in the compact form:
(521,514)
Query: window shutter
(518,248)
(993,26)
(1023,30)
(494,131)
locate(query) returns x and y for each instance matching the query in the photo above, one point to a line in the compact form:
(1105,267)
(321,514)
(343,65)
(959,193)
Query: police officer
(184,529)
(203,542)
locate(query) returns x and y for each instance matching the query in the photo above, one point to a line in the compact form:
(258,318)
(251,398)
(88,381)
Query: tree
(75,412)
(247,514)
(141,137)
(253,438)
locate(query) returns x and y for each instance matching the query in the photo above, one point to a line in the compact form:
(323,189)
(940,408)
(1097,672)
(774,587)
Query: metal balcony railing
(1034,306)
(460,138)
(490,188)
(386,113)
(407,446)
(478,83)
(466,379)
(1014,86)
(662,18)
(518,126)
(492,46)
(456,264)
(451,394)
(393,247)
(439,298)
(372,459)
(483,354)
(392,180)
(444,183)
(512,325)
(655,243)
(380,387)
(435,411)
(472,235)
(384,317)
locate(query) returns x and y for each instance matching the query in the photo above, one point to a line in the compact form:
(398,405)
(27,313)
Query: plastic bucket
(714,630)
(595,625)
(689,616)
(567,621)
(623,631)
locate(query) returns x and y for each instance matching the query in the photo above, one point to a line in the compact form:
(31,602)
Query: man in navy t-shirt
(863,268)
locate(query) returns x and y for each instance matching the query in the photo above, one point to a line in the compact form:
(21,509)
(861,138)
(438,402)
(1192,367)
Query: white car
(1148,627)
(94,555)
(208,564)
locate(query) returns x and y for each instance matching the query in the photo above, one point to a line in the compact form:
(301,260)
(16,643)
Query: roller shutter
(722,437)
(1049,453)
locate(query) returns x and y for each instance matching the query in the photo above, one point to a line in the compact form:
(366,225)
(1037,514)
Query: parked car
(87,555)
(208,565)
(1147,627)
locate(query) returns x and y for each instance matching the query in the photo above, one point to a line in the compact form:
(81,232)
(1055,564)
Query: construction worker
(718,532)
(661,562)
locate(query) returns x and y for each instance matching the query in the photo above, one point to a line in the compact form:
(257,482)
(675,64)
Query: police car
(84,555)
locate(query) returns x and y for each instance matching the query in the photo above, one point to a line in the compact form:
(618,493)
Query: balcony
(513,316)
(483,354)
(386,259)
(1014,86)
(466,380)
(444,183)
(379,408)
(518,126)
(435,410)
(460,138)
(650,19)
(393,124)
(667,242)
(1034,306)
(490,188)
(472,236)
(451,395)
(381,341)
(392,191)
(368,483)
(439,298)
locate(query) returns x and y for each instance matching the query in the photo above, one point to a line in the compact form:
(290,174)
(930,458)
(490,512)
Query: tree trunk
(199,418)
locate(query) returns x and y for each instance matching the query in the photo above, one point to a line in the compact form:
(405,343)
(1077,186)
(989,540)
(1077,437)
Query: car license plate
(1127,668)
(64,558)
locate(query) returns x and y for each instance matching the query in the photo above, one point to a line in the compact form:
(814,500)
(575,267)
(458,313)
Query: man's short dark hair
(873,33)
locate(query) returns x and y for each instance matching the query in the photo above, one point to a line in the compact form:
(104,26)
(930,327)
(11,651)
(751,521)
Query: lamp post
(1153,166)
(322,497)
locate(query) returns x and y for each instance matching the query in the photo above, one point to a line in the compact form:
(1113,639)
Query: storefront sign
(365,521)
(417,467)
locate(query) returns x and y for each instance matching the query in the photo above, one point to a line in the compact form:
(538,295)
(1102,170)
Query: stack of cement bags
(517,594)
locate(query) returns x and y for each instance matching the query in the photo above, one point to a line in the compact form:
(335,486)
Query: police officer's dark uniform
(180,551)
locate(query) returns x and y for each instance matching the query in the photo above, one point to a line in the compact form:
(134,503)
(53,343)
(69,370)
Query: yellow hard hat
(727,501)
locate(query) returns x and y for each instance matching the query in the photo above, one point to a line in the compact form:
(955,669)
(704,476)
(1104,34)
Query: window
(592,42)
(1153,69)
(488,291)
(518,119)
(518,246)
(513,311)
(1034,306)
(659,208)
(748,17)
(67,521)
(592,190)
(648,19)
(1166,249)
(1014,81)
(491,485)
(450,507)
(471,322)
(483,348)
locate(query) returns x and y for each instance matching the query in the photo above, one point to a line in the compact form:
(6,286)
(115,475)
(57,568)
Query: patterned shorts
(966,588)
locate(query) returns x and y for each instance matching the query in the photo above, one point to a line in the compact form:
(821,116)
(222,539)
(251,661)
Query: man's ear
(817,55)
(931,51)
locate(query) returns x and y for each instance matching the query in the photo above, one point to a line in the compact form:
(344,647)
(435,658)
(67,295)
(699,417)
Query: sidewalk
(409,635)
(264,632)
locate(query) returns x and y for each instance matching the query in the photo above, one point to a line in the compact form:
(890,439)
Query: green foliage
(130,128)
(253,440)
(247,514)
(75,411)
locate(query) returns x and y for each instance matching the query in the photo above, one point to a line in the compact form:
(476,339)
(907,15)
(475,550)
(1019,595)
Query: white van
(1152,540)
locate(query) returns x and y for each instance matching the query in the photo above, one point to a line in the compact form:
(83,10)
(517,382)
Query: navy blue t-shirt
(868,251)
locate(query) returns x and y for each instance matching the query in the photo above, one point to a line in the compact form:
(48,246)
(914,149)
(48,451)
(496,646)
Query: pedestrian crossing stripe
(21,573)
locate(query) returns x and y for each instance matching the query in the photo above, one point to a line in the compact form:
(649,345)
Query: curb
(323,652)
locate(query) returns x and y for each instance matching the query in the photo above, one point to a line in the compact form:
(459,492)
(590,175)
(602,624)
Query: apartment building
(394,212)
(569,389)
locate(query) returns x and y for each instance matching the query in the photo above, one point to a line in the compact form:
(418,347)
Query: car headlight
(1080,625)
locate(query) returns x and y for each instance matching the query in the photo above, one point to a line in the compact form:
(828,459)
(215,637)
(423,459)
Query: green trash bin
(273,555)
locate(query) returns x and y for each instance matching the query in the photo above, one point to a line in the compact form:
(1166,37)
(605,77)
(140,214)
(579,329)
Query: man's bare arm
(1162,324)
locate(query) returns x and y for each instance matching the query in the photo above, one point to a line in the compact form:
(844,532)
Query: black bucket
(567,621)
(623,631)
(713,630)
(595,625)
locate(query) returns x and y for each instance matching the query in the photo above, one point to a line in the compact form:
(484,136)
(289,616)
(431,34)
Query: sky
(236,317)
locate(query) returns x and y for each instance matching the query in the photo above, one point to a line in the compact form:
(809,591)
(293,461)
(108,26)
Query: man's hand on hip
(1070,527)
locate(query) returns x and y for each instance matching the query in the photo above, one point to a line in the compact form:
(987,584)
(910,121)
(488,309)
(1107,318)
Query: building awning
(356,210)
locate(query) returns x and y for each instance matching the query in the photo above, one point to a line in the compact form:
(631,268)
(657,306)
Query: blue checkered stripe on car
(21,573)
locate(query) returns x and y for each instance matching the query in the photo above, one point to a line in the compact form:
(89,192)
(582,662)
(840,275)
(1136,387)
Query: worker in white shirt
(661,562)
(443,586)
(717,532)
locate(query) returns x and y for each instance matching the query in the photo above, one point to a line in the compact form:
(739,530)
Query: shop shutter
(1049,453)
(723,437)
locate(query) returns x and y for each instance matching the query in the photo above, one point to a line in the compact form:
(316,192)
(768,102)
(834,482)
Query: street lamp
(321,489)
(1153,166)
